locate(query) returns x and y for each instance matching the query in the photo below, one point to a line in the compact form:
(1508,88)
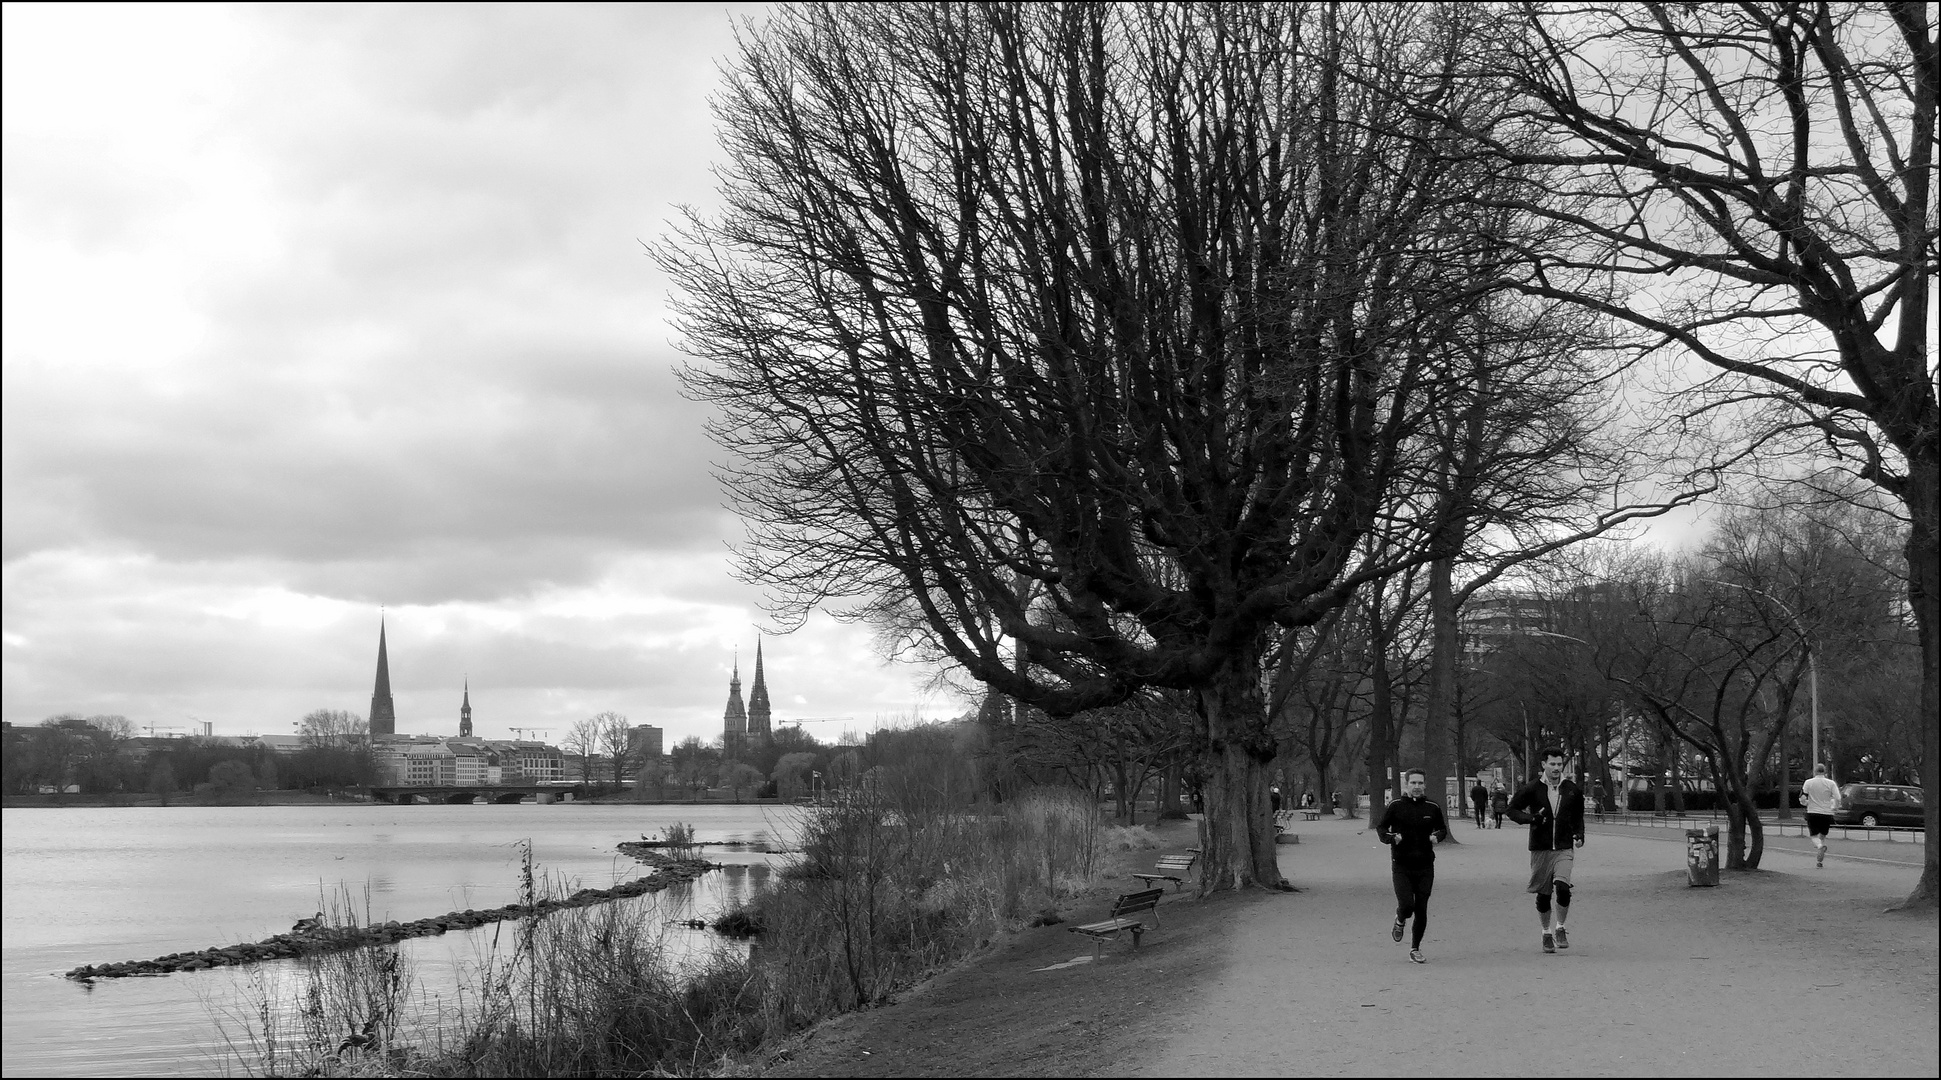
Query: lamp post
(1812,664)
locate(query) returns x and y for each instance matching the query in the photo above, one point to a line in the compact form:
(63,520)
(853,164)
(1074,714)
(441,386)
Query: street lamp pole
(1812,664)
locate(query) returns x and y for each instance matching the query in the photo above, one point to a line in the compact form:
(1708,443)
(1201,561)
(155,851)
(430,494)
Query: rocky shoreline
(668,871)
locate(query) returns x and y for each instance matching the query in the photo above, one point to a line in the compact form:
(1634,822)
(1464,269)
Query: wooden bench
(1173,868)
(1121,919)
(1310,814)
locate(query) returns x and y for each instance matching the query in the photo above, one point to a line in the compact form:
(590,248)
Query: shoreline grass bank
(892,884)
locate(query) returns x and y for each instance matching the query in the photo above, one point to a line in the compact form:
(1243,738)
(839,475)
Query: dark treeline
(102,755)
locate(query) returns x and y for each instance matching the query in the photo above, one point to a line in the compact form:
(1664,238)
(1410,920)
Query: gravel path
(1661,979)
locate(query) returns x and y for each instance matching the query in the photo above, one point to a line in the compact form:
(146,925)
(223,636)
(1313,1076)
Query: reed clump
(895,881)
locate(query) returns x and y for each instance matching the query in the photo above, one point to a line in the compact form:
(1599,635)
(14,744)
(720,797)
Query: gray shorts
(1549,867)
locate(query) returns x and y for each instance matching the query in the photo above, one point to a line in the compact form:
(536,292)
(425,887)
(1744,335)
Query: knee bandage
(1543,902)
(1563,894)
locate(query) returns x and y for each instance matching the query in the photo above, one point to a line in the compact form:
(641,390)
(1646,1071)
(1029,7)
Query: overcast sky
(313,310)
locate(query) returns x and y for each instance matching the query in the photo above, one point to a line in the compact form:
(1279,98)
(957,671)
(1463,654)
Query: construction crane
(519,733)
(822,720)
(153,728)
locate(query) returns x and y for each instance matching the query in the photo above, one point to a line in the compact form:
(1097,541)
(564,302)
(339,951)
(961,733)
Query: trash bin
(1702,856)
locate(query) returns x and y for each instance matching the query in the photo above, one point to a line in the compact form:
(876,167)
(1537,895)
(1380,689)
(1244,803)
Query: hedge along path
(669,871)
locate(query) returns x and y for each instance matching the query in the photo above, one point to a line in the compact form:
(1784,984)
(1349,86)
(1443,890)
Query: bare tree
(583,741)
(1139,304)
(615,740)
(330,727)
(1752,185)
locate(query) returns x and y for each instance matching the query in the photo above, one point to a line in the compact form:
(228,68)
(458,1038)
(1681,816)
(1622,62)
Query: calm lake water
(90,885)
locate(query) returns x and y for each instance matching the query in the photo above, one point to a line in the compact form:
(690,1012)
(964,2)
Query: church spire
(384,718)
(758,712)
(465,712)
(734,721)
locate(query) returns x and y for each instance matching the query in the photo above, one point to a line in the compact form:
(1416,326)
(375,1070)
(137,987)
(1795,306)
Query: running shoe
(1415,957)
(1820,859)
(1563,939)
(1549,942)
(1395,932)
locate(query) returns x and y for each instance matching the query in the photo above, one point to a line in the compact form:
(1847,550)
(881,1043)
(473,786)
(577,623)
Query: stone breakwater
(669,871)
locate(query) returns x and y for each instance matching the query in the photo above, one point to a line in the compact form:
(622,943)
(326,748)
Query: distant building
(465,712)
(734,720)
(537,762)
(1490,620)
(742,726)
(284,744)
(384,717)
(758,712)
(644,742)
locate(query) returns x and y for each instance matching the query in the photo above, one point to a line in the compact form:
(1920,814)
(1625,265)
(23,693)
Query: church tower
(734,722)
(465,712)
(384,718)
(758,703)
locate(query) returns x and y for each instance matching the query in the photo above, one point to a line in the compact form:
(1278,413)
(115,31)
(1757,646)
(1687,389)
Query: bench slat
(1111,926)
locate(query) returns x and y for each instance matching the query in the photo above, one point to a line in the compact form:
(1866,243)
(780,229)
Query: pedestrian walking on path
(1821,795)
(1553,807)
(1499,803)
(1410,826)
(1479,802)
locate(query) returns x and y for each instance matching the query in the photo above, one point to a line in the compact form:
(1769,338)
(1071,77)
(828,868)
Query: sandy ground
(1788,971)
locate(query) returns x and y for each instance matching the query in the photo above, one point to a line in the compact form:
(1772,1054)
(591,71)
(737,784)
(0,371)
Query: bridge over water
(467,793)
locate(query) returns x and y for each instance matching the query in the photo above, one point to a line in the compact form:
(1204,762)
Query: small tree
(583,741)
(615,739)
(792,775)
(229,782)
(161,779)
(737,775)
(330,728)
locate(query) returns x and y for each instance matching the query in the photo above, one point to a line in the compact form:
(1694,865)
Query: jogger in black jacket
(1410,826)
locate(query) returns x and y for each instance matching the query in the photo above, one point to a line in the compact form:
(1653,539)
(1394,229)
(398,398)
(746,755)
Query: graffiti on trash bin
(1698,852)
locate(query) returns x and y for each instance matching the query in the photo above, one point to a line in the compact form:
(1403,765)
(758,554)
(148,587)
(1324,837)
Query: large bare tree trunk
(1381,715)
(1237,830)
(1438,717)
(1924,592)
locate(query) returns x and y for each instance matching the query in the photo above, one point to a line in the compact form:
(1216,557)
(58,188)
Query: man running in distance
(1821,796)
(1410,826)
(1554,809)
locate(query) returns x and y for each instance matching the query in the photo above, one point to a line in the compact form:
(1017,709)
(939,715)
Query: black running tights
(1412,898)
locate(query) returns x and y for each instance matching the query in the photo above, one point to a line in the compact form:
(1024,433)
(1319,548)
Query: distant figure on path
(1410,826)
(1274,796)
(1499,801)
(1598,795)
(1553,807)
(1821,795)
(1307,800)
(1478,802)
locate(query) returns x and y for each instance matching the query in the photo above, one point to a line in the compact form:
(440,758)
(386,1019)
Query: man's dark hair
(1553,751)
(1415,772)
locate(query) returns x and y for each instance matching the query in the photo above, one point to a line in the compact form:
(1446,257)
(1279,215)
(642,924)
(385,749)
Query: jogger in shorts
(1821,795)
(1553,807)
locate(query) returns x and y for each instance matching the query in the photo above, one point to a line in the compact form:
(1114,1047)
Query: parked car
(1879,804)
